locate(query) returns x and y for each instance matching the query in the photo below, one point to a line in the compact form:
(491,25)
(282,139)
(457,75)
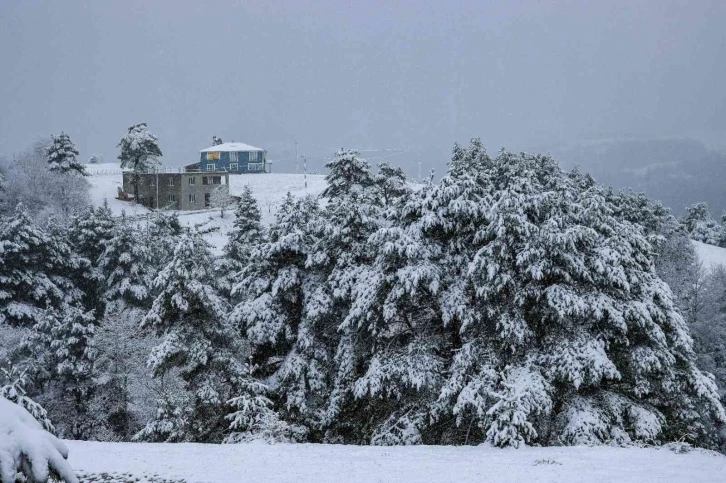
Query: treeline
(511,302)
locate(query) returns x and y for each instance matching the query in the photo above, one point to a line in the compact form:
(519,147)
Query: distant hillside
(677,172)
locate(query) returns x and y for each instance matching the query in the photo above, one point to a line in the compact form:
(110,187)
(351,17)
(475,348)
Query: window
(212,156)
(192,180)
(255,166)
(192,198)
(233,157)
(207,200)
(233,166)
(211,167)
(205,180)
(216,180)
(253,156)
(171,181)
(172,198)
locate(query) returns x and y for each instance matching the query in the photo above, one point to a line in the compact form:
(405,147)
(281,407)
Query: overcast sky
(364,74)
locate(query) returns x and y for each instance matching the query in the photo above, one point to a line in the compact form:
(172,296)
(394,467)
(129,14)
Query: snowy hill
(320,463)
(710,255)
(269,190)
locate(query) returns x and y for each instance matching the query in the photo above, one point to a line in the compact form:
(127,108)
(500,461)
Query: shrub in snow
(255,419)
(28,449)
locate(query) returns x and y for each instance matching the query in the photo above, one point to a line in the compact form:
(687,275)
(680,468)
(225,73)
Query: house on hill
(232,158)
(176,190)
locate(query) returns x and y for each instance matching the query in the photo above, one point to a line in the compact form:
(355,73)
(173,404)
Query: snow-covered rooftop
(230,147)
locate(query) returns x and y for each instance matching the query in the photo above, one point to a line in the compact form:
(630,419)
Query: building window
(233,157)
(192,180)
(255,166)
(210,167)
(253,156)
(172,198)
(192,198)
(171,181)
(216,180)
(233,166)
(205,180)
(207,200)
(212,156)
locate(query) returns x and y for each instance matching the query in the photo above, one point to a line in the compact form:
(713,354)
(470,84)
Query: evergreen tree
(125,265)
(87,235)
(279,307)
(61,155)
(35,271)
(347,172)
(700,226)
(139,152)
(190,316)
(390,183)
(245,234)
(68,336)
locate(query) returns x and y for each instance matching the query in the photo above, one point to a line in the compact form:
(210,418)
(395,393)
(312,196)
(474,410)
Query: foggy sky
(373,74)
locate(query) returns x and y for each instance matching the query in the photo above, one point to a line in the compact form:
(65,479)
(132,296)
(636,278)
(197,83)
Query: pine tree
(61,155)
(246,233)
(126,266)
(278,310)
(390,183)
(87,235)
(68,335)
(190,316)
(700,226)
(347,172)
(35,271)
(576,328)
(139,152)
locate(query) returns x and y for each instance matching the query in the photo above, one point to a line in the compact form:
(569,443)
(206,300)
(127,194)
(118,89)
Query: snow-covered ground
(710,256)
(303,463)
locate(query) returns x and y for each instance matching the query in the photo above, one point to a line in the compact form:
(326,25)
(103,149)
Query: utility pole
(305,172)
(420,175)
(297,166)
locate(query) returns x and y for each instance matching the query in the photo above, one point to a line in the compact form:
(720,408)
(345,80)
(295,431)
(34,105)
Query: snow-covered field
(710,255)
(303,463)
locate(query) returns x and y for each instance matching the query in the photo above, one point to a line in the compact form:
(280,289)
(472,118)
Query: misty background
(632,91)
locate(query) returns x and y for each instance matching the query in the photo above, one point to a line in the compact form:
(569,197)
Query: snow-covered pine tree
(61,155)
(246,233)
(390,182)
(279,303)
(67,333)
(421,286)
(700,226)
(577,340)
(34,271)
(191,318)
(127,268)
(348,172)
(140,152)
(87,235)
